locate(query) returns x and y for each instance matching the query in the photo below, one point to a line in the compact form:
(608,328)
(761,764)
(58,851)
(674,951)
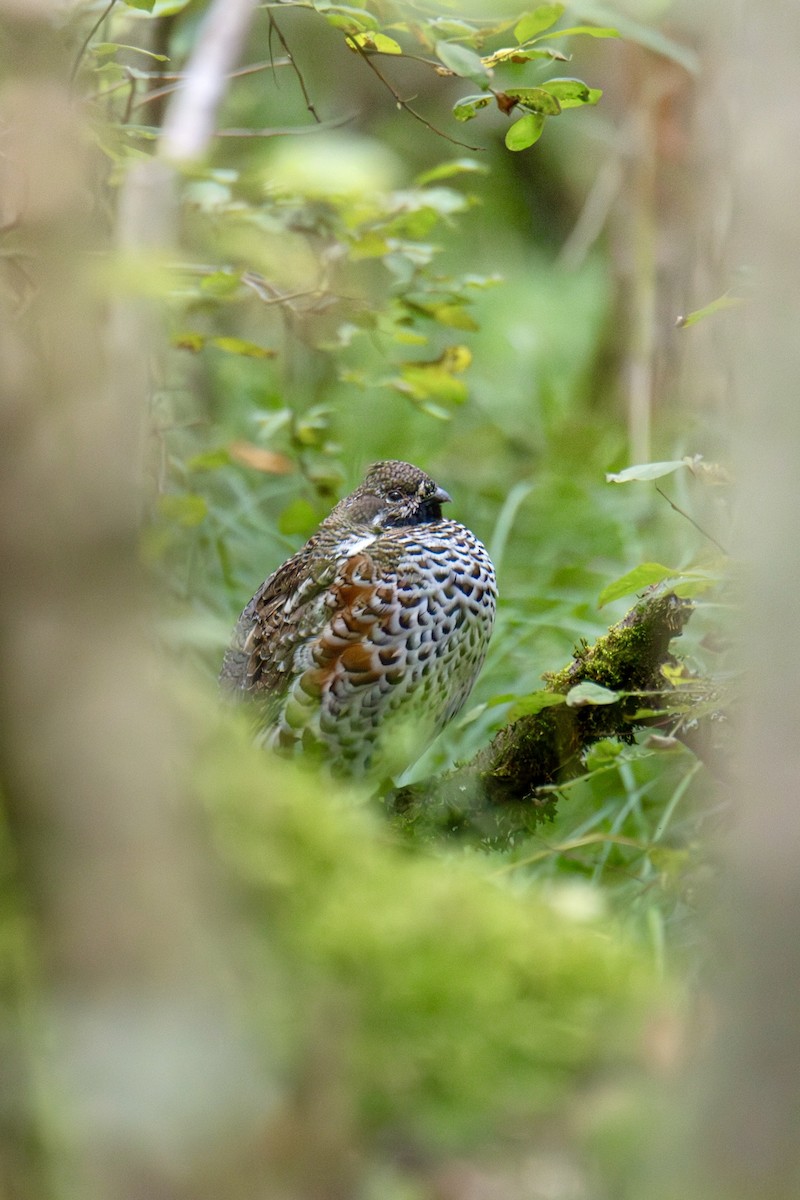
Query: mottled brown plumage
(366,642)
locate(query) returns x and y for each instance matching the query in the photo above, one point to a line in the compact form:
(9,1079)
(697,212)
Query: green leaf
(189,341)
(392,325)
(686,583)
(723,302)
(481,281)
(536,99)
(231,345)
(603,753)
(210,460)
(220,283)
(455,316)
(501,698)
(694,583)
(587,693)
(638,31)
(645,471)
(347,18)
(519,54)
(235,345)
(186,509)
(110,72)
(148,133)
(169,8)
(347,24)
(433,410)
(435,380)
(103,49)
(441,200)
(463,62)
(312,428)
(466,108)
(525,132)
(144,5)
(415,225)
(529,705)
(418,254)
(571,93)
(430,383)
(537,21)
(636,580)
(449,28)
(298,517)
(587,30)
(370,245)
(376,43)
(455,166)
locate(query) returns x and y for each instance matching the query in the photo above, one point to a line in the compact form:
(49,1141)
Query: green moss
(451,1004)
(498,795)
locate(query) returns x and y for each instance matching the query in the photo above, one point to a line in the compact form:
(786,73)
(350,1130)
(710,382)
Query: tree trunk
(740,1137)
(114,999)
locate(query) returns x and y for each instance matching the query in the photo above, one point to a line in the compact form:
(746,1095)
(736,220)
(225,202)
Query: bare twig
(177,79)
(189,123)
(401,103)
(287,130)
(691,520)
(88,38)
(593,215)
(273,25)
(131,79)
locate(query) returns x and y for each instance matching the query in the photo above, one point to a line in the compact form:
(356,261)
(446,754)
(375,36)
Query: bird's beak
(442,496)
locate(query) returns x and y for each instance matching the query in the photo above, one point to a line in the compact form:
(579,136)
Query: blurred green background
(435,1017)
(504,320)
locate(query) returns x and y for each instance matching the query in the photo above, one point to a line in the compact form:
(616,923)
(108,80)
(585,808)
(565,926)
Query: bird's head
(394,494)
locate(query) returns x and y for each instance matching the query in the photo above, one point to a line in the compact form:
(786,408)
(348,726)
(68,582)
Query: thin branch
(126,116)
(177,80)
(273,24)
(250,69)
(88,38)
(691,521)
(287,130)
(401,103)
(593,215)
(323,298)
(189,123)
(268,294)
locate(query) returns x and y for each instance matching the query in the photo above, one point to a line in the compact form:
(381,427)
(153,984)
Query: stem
(401,103)
(273,24)
(691,521)
(88,38)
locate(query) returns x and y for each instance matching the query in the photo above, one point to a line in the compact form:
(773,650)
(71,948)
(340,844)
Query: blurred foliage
(357,282)
(472,1012)
(352,289)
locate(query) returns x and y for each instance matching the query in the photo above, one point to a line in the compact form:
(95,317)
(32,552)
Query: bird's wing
(254,661)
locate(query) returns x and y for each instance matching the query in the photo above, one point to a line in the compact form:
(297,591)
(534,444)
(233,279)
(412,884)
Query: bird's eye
(394,495)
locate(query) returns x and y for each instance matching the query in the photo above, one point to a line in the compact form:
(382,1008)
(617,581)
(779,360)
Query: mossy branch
(500,790)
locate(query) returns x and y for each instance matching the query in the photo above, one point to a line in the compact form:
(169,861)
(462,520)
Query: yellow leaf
(376,43)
